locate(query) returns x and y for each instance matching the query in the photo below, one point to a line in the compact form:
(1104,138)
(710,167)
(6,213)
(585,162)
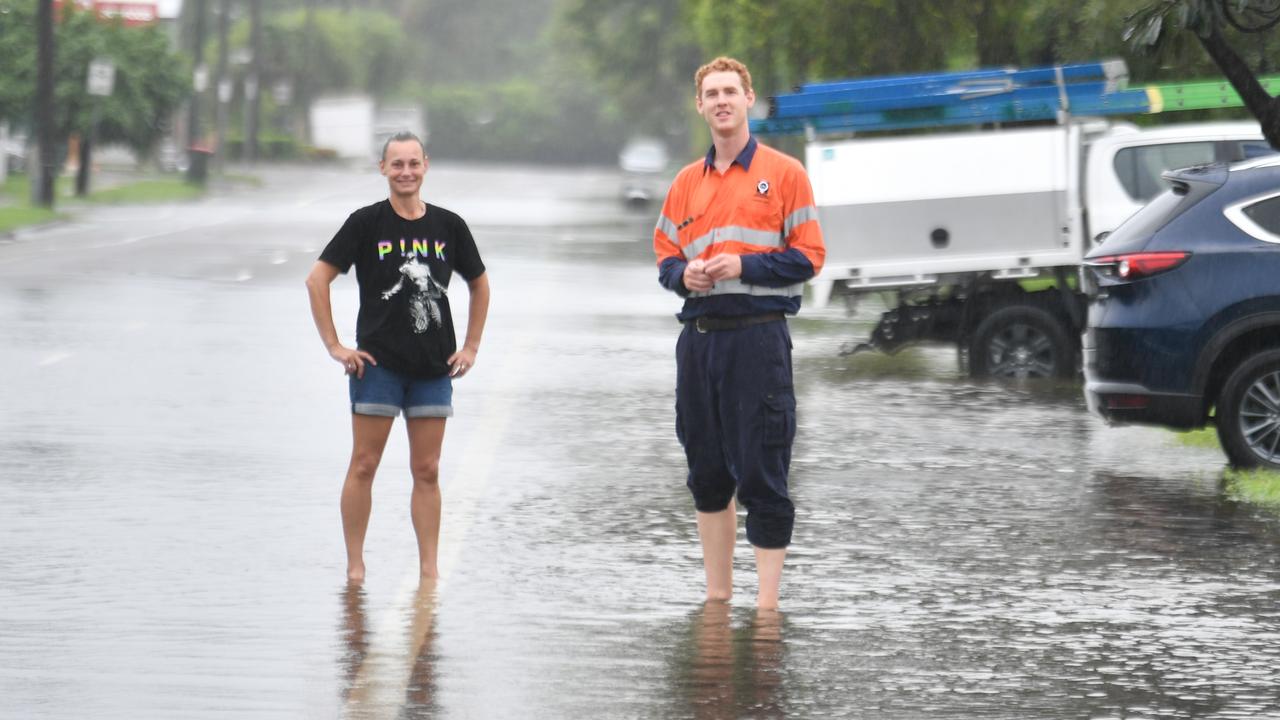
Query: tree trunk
(221,80)
(253,85)
(303,81)
(1259,102)
(196,152)
(996,31)
(44,105)
(86,160)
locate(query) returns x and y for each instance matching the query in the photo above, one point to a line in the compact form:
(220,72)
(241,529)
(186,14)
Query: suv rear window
(1133,234)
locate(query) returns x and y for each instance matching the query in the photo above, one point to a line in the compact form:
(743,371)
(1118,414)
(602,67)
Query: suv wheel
(1020,342)
(1248,413)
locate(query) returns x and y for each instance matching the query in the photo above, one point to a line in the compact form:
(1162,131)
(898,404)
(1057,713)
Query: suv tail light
(1135,266)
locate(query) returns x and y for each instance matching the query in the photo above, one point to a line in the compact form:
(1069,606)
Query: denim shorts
(387,393)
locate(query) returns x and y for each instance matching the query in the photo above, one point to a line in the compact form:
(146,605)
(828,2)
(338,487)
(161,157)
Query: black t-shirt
(403,269)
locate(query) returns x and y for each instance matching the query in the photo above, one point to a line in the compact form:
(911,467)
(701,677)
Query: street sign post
(101,79)
(100,82)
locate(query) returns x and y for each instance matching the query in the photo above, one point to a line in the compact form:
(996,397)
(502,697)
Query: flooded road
(173,438)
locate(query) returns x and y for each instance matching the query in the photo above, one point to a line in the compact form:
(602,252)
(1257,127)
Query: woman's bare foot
(355,573)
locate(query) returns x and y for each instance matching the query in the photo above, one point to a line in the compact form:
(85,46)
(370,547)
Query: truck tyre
(1248,412)
(1020,342)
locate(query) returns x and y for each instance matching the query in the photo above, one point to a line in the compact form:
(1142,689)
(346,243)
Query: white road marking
(379,686)
(54,359)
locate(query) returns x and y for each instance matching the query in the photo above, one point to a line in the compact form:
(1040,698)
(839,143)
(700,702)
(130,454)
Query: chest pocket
(761,212)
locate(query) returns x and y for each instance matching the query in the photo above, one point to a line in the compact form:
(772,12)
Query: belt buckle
(697,325)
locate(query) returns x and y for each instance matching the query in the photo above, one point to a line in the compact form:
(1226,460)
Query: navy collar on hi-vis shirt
(743,159)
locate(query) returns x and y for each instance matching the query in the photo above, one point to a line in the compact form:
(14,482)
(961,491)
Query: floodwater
(173,437)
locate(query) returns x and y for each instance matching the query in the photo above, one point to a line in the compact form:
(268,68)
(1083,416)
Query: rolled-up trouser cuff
(705,503)
(772,531)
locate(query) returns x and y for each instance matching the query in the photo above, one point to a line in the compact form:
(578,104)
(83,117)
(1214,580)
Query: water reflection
(1198,522)
(389,676)
(355,638)
(420,694)
(733,673)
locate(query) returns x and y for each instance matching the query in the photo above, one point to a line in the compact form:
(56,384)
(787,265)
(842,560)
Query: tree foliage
(1223,28)
(642,53)
(17,59)
(346,49)
(792,41)
(150,81)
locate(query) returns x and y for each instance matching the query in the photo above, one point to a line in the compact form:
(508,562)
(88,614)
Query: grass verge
(1205,437)
(909,363)
(12,218)
(1257,487)
(16,210)
(148,191)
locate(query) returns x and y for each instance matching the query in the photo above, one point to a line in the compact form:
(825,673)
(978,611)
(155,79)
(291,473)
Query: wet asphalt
(173,438)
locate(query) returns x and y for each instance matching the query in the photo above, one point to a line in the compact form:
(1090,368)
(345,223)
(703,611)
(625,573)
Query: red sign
(136,12)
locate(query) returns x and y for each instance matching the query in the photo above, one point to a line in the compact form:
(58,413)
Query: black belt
(706,324)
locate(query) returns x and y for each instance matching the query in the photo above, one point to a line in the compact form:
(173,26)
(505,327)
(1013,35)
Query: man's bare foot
(355,574)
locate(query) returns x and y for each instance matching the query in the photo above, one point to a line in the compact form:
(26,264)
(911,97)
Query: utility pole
(44,103)
(222,86)
(253,83)
(198,155)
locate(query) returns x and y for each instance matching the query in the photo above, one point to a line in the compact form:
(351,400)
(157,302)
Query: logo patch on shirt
(762,187)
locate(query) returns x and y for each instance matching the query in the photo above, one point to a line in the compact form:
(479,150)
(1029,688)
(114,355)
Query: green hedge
(518,121)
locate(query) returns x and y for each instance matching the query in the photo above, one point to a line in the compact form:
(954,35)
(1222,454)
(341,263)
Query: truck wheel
(1248,414)
(1020,342)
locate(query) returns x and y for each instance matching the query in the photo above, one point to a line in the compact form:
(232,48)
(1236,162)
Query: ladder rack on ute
(990,96)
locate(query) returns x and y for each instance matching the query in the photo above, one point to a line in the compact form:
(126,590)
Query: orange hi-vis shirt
(762,209)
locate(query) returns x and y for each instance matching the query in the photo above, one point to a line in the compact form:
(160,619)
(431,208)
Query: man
(406,357)
(737,238)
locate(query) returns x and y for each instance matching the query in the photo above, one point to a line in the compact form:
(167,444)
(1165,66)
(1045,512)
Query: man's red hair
(722,64)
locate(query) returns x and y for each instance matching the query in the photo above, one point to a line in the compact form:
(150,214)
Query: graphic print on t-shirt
(423,309)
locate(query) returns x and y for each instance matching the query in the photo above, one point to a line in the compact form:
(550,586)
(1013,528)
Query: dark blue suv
(1184,312)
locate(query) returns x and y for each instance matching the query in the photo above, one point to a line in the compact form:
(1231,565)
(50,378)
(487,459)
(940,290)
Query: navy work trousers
(736,418)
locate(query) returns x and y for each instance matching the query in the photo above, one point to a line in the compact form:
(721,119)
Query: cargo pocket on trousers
(779,418)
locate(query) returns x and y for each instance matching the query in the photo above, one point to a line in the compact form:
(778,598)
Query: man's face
(723,103)
(404,166)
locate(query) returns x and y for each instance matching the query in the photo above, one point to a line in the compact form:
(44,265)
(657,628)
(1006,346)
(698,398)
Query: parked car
(644,162)
(1184,310)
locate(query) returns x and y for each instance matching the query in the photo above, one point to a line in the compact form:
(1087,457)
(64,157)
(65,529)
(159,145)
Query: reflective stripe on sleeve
(737,287)
(732,233)
(668,228)
(799,217)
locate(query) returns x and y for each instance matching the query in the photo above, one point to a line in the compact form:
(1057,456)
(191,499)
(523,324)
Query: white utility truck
(975,237)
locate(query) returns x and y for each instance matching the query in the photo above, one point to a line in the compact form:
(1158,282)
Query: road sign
(102,76)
